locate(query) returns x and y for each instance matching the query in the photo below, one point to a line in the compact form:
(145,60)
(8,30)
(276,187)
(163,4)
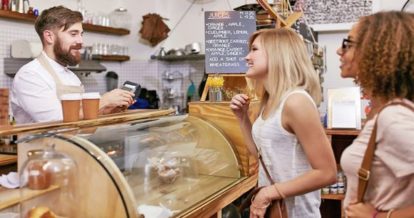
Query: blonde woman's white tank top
(285,159)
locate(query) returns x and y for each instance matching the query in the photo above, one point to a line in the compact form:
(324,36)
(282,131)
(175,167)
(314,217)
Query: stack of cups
(71,104)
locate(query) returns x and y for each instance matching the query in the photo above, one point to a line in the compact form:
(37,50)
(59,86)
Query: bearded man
(38,85)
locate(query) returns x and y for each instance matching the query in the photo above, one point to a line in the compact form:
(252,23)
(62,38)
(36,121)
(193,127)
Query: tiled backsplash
(148,73)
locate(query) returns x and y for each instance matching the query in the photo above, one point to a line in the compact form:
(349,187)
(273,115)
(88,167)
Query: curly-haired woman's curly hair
(385,50)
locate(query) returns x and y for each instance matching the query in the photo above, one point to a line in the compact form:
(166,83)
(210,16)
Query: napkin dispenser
(25,49)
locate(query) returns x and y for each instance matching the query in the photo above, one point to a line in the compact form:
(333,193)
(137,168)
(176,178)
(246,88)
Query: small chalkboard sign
(226,40)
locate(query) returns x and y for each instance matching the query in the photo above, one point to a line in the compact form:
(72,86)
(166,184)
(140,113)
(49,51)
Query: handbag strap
(365,169)
(265,168)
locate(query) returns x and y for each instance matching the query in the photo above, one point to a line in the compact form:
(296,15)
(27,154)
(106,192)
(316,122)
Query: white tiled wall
(9,31)
(191,70)
(145,72)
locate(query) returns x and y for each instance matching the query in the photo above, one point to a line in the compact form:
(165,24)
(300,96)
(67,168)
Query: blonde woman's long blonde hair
(289,66)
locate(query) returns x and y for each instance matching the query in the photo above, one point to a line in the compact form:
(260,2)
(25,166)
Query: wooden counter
(104,199)
(11,197)
(101,121)
(220,115)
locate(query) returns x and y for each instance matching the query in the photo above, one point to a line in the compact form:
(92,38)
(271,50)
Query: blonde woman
(288,133)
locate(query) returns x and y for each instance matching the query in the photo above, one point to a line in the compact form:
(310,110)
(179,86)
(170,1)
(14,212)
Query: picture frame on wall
(344,108)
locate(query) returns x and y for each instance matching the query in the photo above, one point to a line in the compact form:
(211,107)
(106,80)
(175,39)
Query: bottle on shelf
(325,190)
(333,189)
(5,5)
(81,9)
(13,5)
(341,182)
(19,6)
(26,6)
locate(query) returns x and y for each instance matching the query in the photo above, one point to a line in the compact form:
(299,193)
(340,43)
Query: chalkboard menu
(227,35)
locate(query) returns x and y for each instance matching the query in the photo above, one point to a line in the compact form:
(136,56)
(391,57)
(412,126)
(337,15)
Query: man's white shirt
(33,94)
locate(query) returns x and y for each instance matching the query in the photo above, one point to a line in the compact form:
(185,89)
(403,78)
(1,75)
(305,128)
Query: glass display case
(167,166)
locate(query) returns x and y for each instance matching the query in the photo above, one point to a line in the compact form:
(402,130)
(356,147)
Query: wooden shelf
(17,16)
(86,26)
(105,29)
(110,58)
(338,197)
(10,197)
(181,57)
(350,132)
(6,159)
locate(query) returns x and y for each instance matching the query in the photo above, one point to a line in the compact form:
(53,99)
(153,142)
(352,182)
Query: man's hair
(385,54)
(56,18)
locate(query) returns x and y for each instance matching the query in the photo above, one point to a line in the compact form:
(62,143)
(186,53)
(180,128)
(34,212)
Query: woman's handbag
(276,209)
(365,170)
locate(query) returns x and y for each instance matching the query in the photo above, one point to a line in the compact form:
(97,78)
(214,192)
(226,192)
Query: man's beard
(65,57)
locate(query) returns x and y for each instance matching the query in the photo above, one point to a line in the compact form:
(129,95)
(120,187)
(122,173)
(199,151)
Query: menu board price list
(227,34)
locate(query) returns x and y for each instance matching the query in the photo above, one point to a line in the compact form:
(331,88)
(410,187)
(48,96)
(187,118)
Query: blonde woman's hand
(240,105)
(260,203)
(360,210)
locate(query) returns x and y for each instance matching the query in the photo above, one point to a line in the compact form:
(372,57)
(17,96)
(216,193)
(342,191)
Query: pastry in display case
(167,166)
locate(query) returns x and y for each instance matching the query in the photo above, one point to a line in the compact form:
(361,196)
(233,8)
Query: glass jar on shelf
(120,18)
(47,184)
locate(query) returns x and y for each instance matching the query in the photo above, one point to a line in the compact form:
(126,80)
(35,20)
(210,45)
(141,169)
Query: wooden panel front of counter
(219,114)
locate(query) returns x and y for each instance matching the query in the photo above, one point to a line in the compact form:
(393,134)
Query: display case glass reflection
(173,162)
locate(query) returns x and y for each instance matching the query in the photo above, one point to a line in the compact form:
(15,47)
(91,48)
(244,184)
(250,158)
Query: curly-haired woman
(379,54)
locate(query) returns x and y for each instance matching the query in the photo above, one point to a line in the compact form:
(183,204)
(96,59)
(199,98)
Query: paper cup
(70,106)
(90,105)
